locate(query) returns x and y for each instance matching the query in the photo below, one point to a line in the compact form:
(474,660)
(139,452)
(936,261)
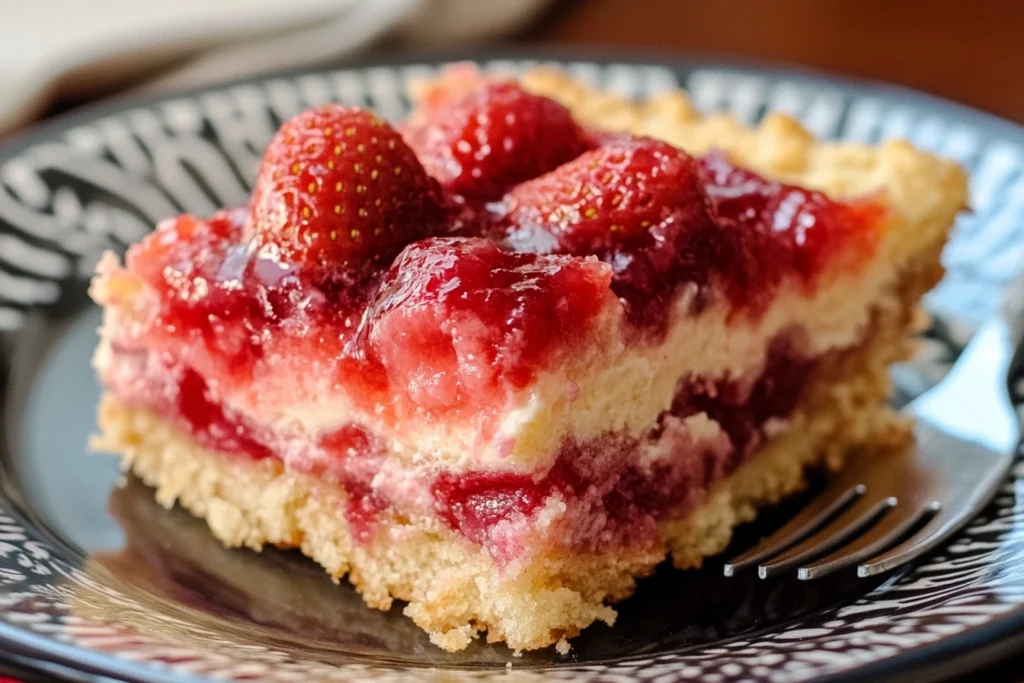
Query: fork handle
(978,399)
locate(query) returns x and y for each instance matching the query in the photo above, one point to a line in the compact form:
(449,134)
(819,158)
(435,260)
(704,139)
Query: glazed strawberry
(481,144)
(459,319)
(637,204)
(624,194)
(807,228)
(339,189)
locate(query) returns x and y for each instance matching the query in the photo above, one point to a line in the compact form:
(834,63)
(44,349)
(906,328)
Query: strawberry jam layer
(607,492)
(615,491)
(454,325)
(348,456)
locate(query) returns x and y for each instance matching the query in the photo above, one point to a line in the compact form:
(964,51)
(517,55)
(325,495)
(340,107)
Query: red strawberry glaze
(475,320)
(455,322)
(781,230)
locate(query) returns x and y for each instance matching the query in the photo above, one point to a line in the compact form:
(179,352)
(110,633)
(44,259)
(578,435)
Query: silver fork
(966,434)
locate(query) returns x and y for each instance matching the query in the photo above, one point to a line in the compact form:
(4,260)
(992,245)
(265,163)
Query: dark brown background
(966,50)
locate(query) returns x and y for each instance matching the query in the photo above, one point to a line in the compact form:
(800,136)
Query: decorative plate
(98,581)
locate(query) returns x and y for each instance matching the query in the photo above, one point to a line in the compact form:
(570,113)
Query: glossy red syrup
(777,230)
(453,320)
(215,291)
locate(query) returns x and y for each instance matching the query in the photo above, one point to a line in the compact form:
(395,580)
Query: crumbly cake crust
(452,587)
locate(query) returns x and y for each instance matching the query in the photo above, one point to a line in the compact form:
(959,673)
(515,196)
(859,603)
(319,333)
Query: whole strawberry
(628,193)
(338,189)
(636,203)
(481,143)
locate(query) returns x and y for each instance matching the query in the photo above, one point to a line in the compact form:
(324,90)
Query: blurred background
(60,54)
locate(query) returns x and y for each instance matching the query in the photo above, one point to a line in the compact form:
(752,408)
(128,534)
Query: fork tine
(864,512)
(924,540)
(964,498)
(893,525)
(928,537)
(812,516)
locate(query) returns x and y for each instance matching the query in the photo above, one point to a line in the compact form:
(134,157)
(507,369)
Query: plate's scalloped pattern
(103,183)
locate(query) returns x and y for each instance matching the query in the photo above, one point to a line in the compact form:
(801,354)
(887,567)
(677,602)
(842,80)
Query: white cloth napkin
(77,46)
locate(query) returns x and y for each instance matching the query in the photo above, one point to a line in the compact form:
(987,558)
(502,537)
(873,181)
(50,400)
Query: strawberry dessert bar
(502,360)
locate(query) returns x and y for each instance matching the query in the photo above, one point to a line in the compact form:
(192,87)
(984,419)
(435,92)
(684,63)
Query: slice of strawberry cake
(502,361)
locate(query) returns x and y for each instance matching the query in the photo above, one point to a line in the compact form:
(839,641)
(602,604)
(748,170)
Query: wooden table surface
(972,52)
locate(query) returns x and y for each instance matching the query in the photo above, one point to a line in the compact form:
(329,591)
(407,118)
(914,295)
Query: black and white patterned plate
(98,581)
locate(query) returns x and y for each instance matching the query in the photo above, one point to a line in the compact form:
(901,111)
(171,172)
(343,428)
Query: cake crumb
(562,647)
